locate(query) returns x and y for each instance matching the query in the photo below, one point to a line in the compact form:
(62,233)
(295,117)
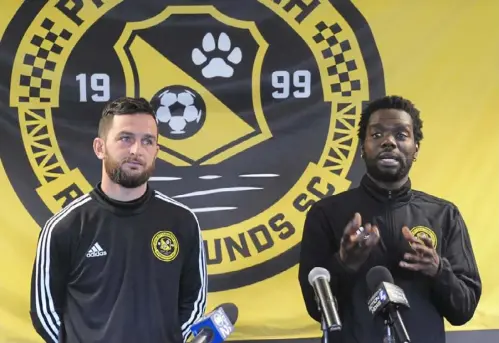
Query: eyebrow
(398,126)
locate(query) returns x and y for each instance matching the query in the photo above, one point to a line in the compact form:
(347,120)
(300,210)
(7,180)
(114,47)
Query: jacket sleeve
(49,278)
(457,287)
(319,248)
(193,284)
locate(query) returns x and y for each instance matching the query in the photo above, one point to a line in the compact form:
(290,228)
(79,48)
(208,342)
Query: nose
(389,142)
(136,147)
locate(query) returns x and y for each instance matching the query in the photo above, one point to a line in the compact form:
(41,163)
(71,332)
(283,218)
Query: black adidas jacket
(119,272)
(453,294)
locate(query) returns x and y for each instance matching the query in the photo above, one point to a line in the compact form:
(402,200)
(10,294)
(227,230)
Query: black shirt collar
(122,207)
(403,194)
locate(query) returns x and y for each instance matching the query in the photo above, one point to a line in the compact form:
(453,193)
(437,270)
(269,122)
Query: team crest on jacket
(422,231)
(165,246)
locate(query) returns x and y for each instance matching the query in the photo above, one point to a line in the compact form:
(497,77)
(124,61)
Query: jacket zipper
(389,221)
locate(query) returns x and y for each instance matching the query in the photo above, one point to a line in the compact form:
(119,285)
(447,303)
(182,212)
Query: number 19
(99,83)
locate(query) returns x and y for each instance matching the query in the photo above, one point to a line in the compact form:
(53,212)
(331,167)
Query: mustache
(133,160)
(388,154)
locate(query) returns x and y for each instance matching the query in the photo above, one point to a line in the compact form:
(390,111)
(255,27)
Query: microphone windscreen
(377,275)
(231,311)
(318,272)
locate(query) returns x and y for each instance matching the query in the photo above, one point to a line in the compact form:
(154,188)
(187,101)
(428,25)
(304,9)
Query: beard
(118,175)
(388,174)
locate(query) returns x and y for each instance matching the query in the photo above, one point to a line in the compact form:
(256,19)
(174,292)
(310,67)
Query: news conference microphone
(216,326)
(319,280)
(386,300)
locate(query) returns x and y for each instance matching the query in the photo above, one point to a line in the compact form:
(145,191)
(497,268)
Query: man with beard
(421,239)
(123,263)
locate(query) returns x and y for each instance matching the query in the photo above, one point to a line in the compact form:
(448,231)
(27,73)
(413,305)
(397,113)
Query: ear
(99,148)
(362,152)
(417,151)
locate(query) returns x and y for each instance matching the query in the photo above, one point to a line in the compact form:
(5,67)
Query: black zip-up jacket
(453,294)
(119,272)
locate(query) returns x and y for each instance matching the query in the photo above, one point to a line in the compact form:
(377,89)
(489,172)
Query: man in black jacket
(124,263)
(420,238)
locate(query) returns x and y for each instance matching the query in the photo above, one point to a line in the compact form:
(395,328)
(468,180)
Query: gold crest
(423,231)
(165,246)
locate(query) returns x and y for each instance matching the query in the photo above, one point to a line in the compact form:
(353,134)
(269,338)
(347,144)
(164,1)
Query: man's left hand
(424,258)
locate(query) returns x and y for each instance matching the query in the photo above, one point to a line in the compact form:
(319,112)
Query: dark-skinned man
(421,239)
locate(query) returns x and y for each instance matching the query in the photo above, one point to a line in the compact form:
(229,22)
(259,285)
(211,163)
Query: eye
(402,135)
(376,135)
(148,141)
(125,139)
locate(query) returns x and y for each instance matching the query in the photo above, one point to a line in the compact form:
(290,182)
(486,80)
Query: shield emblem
(182,60)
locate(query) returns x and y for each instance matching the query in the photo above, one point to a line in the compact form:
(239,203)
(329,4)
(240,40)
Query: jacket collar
(122,207)
(403,194)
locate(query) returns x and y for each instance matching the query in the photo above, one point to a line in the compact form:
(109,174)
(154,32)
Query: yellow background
(443,55)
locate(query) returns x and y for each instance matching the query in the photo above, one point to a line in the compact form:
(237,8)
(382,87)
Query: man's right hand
(357,244)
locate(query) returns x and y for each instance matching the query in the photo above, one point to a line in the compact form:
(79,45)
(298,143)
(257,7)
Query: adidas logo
(96,251)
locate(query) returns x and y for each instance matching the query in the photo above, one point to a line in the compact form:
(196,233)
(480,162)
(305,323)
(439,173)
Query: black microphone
(319,280)
(386,300)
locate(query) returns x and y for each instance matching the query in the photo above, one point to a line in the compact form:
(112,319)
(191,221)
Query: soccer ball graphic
(180,111)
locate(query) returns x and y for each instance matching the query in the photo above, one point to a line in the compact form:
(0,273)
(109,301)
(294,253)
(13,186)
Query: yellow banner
(259,104)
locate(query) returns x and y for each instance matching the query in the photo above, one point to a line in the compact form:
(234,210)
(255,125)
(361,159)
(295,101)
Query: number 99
(281,82)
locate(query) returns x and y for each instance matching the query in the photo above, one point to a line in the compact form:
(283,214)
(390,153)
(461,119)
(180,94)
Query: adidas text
(96,253)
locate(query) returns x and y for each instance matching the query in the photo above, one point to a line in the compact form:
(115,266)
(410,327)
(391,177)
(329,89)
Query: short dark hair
(391,102)
(120,106)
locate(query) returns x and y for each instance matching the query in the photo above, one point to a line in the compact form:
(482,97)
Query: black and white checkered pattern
(341,68)
(48,43)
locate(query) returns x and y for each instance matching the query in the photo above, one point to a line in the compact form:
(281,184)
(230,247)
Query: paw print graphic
(217,66)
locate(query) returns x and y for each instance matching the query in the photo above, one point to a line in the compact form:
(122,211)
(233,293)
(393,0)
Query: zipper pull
(389,194)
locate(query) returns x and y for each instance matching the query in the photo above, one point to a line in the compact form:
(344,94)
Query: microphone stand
(389,337)
(325,331)
(395,331)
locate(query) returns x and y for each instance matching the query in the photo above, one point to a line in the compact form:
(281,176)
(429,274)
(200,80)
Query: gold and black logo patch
(423,231)
(165,246)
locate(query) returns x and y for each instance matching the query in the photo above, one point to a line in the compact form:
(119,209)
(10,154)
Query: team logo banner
(257,118)
(257,103)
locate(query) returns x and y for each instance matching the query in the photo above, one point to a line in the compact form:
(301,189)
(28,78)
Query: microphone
(216,326)
(386,300)
(319,280)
